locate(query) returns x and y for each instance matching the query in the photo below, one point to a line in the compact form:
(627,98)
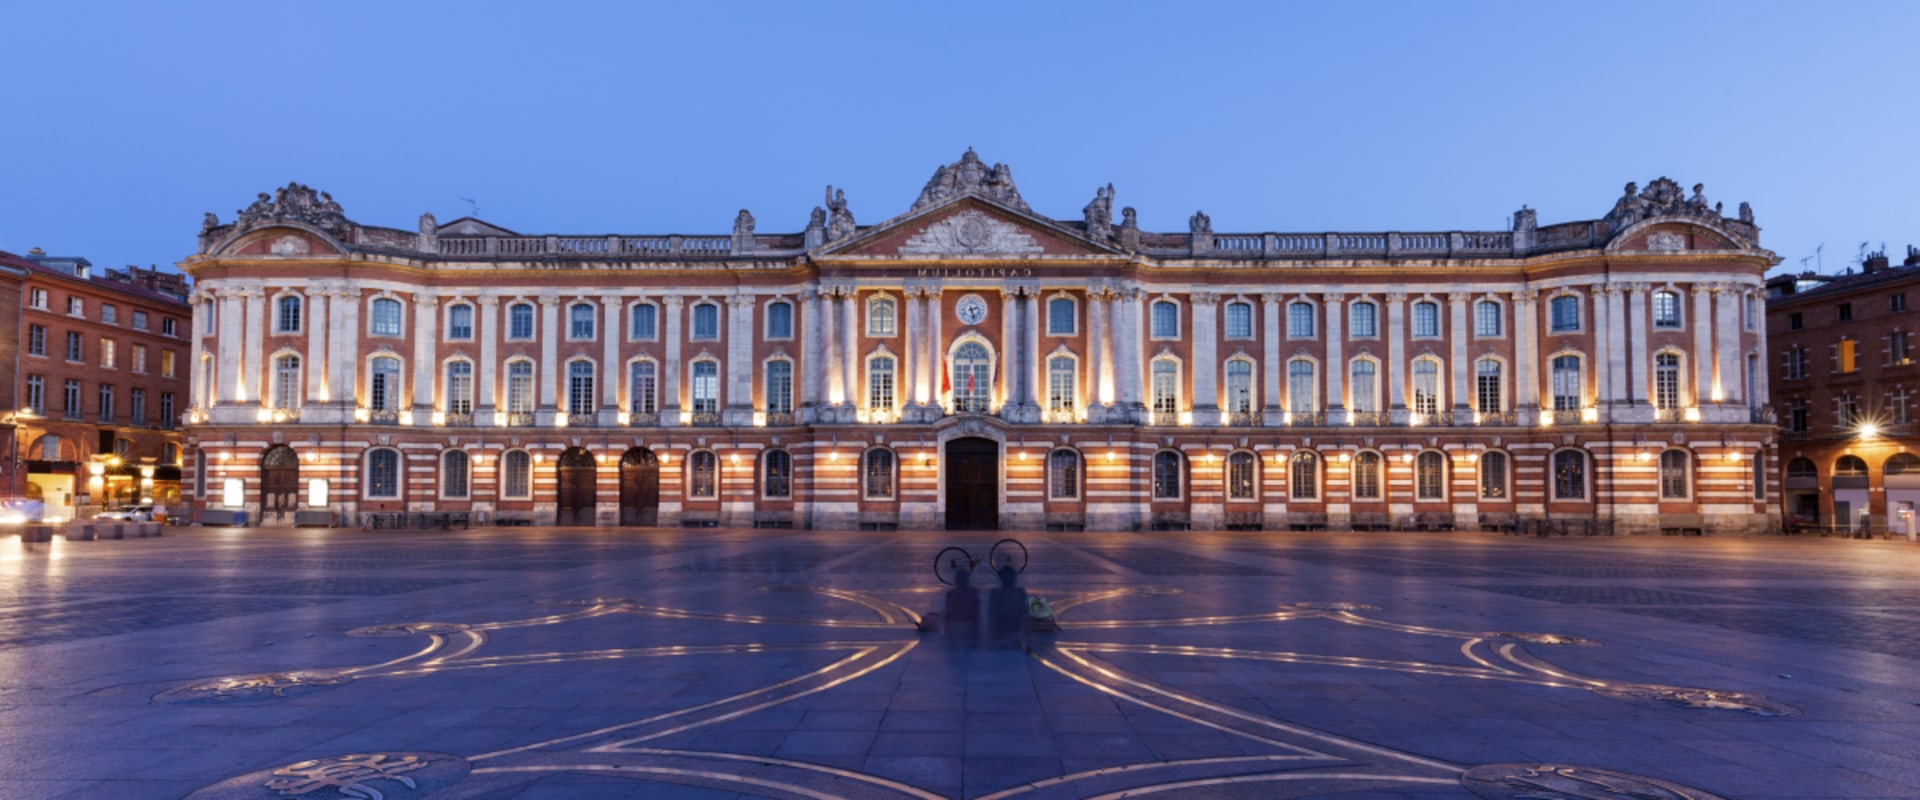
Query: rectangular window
(1300,321)
(641,377)
(107,353)
(76,307)
(76,350)
(644,323)
(1897,348)
(780,320)
(37,394)
(706,321)
(1666,309)
(1898,302)
(1487,387)
(779,388)
(1364,322)
(71,399)
(37,298)
(1897,409)
(1300,388)
(520,322)
(386,317)
(106,402)
(1486,319)
(1426,320)
(1239,320)
(166,363)
(139,320)
(1845,312)
(580,321)
(109,314)
(1797,420)
(880,383)
(1565,313)
(460,322)
(1796,363)
(140,358)
(1060,384)
(1847,363)
(166,409)
(137,406)
(168,327)
(520,387)
(460,387)
(1793,321)
(1566,383)
(1166,320)
(706,387)
(1060,317)
(36,340)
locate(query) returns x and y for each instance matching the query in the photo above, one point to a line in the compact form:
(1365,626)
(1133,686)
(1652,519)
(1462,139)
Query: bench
(1244,520)
(1682,525)
(1066,521)
(1502,521)
(1307,520)
(1433,521)
(1371,521)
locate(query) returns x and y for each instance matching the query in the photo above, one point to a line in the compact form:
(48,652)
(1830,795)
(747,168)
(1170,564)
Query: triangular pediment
(968,226)
(471,226)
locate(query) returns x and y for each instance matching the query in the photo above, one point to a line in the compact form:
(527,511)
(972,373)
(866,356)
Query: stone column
(1096,347)
(426,330)
(849,354)
(812,372)
(1396,366)
(1703,343)
(740,367)
(1460,330)
(549,351)
(1727,362)
(1617,356)
(344,346)
(1119,334)
(610,358)
(1131,335)
(253,374)
(316,347)
(1602,354)
(1636,388)
(1013,356)
(1273,368)
(936,346)
(670,371)
(197,380)
(1206,359)
(1336,361)
(912,348)
(229,375)
(484,391)
(1036,360)
(1526,375)
(1762,390)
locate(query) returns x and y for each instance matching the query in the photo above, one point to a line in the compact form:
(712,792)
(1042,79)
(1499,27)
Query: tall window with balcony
(778,392)
(459,322)
(287,314)
(286,382)
(579,387)
(1666,383)
(1363,386)
(972,378)
(880,384)
(383,386)
(1240,406)
(1061,389)
(642,390)
(459,391)
(1567,392)
(1488,386)
(1301,394)
(706,387)
(1363,320)
(1166,391)
(520,398)
(1426,387)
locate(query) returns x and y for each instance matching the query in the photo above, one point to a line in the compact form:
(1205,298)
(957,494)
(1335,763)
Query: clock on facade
(971,310)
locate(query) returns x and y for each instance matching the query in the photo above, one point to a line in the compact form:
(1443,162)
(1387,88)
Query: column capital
(1204,298)
(428,300)
(549,300)
(1396,297)
(672,301)
(1332,298)
(1527,295)
(1272,298)
(488,301)
(1637,288)
(612,302)
(1609,289)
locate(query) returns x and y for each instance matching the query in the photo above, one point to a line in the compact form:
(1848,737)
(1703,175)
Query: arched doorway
(639,488)
(973,484)
(575,504)
(279,481)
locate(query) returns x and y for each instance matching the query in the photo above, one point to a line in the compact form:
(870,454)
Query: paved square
(707,664)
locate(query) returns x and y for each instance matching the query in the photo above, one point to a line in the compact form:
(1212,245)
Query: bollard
(79,532)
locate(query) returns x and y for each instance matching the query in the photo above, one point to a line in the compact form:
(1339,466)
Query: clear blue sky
(126,121)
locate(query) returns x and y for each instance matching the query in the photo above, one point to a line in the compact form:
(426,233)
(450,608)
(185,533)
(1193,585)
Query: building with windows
(102,379)
(1846,381)
(972,363)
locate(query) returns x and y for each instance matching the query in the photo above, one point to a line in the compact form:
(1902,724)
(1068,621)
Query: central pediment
(970,232)
(968,227)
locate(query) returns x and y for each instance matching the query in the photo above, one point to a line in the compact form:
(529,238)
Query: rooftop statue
(970,176)
(839,219)
(296,203)
(1099,214)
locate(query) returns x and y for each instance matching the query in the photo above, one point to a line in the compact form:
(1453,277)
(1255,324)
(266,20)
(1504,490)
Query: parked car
(128,514)
(21,512)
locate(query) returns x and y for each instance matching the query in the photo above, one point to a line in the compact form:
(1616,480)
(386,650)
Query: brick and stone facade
(973,363)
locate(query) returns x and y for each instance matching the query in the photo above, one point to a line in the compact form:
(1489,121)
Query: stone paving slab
(530,663)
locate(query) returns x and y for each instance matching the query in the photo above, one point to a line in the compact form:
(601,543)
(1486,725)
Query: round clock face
(971,309)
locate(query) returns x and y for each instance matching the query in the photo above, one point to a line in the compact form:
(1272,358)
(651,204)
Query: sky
(126,121)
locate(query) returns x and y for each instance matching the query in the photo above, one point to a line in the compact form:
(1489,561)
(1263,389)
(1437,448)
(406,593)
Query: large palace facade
(971,363)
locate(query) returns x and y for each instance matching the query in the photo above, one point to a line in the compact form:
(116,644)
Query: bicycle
(954,566)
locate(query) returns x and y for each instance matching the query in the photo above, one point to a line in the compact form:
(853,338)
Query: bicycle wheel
(1016,555)
(950,563)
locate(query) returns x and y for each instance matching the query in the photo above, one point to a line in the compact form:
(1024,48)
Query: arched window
(1666,381)
(580,386)
(880,382)
(643,382)
(1569,475)
(643,322)
(1166,387)
(459,321)
(1426,386)
(286,381)
(1675,480)
(520,322)
(776,474)
(383,384)
(972,378)
(580,321)
(1062,384)
(878,472)
(1803,468)
(520,397)
(1166,320)
(1243,481)
(1567,391)
(453,474)
(1062,319)
(778,389)
(1301,394)
(1666,309)
(1488,386)
(1426,320)
(1305,469)
(1300,320)
(880,317)
(1063,475)
(1493,475)
(1430,476)
(706,322)
(703,480)
(1240,386)
(516,475)
(1366,476)
(383,474)
(1850,467)
(460,387)
(1364,322)
(779,320)
(287,314)
(1899,464)
(385,319)
(1364,386)
(1487,319)
(1239,320)
(706,387)
(1166,475)
(1564,314)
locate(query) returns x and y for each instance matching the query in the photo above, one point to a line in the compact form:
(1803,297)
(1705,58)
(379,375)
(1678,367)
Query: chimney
(1913,256)
(1875,262)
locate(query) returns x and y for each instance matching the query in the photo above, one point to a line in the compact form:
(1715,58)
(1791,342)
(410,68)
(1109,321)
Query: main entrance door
(639,488)
(973,484)
(575,503)
(279,481)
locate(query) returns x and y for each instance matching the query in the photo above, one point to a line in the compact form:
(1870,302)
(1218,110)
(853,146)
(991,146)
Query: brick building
(101,382)
(972,363)
(1845,383)
(13,273)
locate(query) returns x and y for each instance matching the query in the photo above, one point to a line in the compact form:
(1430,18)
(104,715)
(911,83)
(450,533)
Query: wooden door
(279,481)
(575,504)
(973,484)
(640,488)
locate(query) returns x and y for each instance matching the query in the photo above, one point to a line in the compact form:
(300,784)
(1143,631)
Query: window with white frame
(776,474)
(1796,363)
(286,381)
(286,317)
(1569,475)
(36,340)
(108,352)
(137,405)
(779,320)
(580,321)
(1430,476)
(1301,393)
(778,389)
(1366,476)
(880,317)
(1566,380)
(106,402)
(1166,386)
(383,473)
(520,322)
(1489,386)
(140,358)
(580,386)
(1666,381)
(454,469)
(1240,386)
(1063,475)
(166,363)
(1300,320)
(1243,470)
(1674,480)
(109,313)
(643,382)
(139,320)
(1364,386)
(1363,320)
(1166,319)
(516,475)
(706,387)
(880,382)
(1493,475)
(460,387)
(385,318)
(1426,386)
(972,378)
(706,322)
(1062,319)
(1426,320)
(520,396)
(1666,309)
(37,394)
(1166,475)
(1304,469)
(1062,377)
(459,322)
(1564,313)
(383,384)
(643,322)
(878,481)
(1487,319)
(1239,320)
(37,298)
(76,347)
(76,307)
(703,475)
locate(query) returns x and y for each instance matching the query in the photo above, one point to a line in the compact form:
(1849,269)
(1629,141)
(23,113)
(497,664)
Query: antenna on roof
(473,207)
